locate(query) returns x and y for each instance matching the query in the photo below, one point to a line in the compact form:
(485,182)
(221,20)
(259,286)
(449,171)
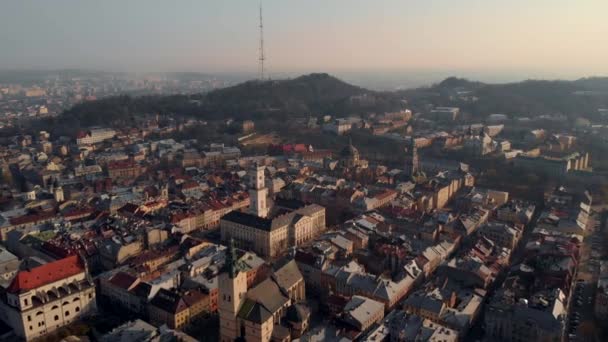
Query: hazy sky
(560,37)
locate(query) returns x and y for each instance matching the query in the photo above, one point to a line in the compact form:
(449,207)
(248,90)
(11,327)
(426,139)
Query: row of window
(56,318)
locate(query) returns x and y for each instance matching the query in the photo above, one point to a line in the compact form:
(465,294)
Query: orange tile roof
(46,274)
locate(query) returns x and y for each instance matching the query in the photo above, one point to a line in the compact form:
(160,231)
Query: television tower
(261,52)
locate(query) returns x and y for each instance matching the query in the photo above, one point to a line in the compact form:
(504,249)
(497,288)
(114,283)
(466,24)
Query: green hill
(318,94)
(313,94)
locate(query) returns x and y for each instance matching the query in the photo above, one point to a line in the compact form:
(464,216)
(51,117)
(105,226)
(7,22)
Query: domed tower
(58,192)
(349,156)
(412,164)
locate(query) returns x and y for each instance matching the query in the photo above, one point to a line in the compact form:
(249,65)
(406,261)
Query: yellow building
(272,237)
(177,310)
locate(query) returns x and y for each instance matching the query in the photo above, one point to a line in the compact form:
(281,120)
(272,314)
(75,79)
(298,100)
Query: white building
(339,126)
(95,135)
(258,194)
(445,113)
(45,298)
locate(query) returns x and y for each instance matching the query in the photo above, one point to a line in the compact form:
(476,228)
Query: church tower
(232,291)
(412,166)
(58,194)
(258,193)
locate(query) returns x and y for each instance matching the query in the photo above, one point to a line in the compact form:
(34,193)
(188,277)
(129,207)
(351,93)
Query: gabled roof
(254,312)
(45,274)
(169,301)
(288,275)
(123,280)
(268,294)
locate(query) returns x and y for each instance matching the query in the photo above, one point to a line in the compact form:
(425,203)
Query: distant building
(515,212)
(339,126)
(95,135)
(412,167)
(124,169)
(248,126)
(445,113)
(493,130)
(495,118)
(535,136)
(351,159)
(554,166)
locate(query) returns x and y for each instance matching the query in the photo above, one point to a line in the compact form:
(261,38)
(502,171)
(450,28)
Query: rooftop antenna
(261,52)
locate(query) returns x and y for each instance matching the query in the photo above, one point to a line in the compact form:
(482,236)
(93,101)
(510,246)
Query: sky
(558,38)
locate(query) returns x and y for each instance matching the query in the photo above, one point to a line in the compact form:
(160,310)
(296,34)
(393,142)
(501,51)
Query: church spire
(413,166)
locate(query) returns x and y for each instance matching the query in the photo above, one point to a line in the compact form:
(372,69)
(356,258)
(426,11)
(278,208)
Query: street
(581,319)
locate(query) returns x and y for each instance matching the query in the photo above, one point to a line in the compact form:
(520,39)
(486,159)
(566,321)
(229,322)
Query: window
(77,309)
(25,301)
(56,317)
(31,328)
(90,295)
(29,318)
(67,313)
(54,307)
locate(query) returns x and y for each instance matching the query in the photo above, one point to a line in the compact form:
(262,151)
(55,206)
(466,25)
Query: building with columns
(271,237)
(44,298)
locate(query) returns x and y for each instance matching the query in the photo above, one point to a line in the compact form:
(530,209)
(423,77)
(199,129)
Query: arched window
(54,307)
(39,313)
(56,317)
(67,313)
(65,303)
(77,309)
(75,299)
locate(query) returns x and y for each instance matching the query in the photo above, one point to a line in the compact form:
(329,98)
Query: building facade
(272,237)
(258,193)
(45,298)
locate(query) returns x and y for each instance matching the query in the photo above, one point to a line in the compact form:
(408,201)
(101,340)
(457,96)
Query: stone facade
(48,297)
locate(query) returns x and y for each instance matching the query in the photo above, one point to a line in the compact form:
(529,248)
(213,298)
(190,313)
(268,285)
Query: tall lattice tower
(261,57)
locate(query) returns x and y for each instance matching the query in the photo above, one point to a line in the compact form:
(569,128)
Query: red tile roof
(123,280)
(121,164)
(46,274)
(32,218)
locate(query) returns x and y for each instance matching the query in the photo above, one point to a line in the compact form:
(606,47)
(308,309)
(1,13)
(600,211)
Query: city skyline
(557,39)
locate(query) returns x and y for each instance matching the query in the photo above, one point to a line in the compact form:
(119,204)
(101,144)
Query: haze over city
(307,171)
(493,40)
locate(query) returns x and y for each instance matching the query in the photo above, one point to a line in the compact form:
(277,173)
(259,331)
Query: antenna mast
(261,57)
